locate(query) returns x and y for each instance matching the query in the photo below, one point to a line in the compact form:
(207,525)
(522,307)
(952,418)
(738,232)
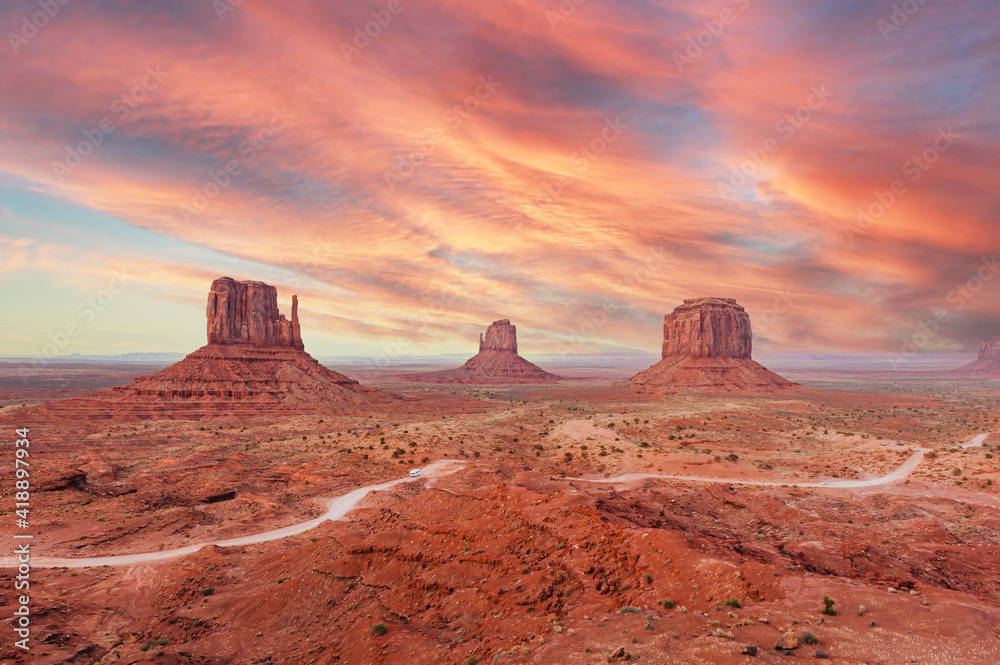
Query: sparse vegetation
(828,607)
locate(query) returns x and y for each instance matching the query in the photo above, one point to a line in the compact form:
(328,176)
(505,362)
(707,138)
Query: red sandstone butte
(254,358)
(247,313)
(496,363)
(706,347)
(988,359)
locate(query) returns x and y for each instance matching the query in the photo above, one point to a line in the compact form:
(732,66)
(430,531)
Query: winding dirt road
(338,507)
(901,473)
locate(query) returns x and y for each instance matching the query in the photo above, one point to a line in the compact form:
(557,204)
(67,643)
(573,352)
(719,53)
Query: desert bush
(733,602)
(828,607)
(379,629)
(808,638)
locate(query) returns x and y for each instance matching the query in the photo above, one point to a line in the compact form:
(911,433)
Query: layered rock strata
(988,359)
(254,359)
(706,347)
(496,363)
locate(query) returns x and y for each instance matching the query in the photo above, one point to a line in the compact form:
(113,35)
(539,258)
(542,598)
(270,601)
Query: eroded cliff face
(990,349)
(706,348)
(496,363)
(707,328)
(247,313)
(988,359)
(254,360)
(500,336)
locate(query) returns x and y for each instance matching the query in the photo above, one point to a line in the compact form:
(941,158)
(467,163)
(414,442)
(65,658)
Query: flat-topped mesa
(500,336)
(706,348)
(496,363)
(990,349)
(707,328)
(247,313)
(253,361)
(988,359)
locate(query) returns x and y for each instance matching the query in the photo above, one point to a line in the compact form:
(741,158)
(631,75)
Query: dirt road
(338,507)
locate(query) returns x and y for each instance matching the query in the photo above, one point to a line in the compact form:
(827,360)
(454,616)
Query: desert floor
(586,519)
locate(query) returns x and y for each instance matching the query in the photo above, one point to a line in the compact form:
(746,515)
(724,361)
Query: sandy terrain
(285,538)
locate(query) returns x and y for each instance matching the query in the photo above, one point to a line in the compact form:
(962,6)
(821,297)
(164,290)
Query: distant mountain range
(775,361)
(120,358)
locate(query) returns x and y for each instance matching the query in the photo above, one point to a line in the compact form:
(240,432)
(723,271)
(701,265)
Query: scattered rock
(749,650)
(821,654)
(619,654)
(787,641)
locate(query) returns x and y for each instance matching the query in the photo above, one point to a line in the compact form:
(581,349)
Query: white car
(414,473)
(461,468)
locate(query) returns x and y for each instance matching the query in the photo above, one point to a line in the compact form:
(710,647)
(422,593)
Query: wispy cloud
(466,231)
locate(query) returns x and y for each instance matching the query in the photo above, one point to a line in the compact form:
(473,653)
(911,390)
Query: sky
(416,170)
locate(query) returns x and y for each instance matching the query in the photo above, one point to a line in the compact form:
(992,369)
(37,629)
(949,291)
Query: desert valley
(249,505)
(499,332)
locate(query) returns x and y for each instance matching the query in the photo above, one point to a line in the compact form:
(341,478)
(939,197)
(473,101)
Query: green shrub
(208,591)
(809,638)
(733,602)
(828,607)
(379,629)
